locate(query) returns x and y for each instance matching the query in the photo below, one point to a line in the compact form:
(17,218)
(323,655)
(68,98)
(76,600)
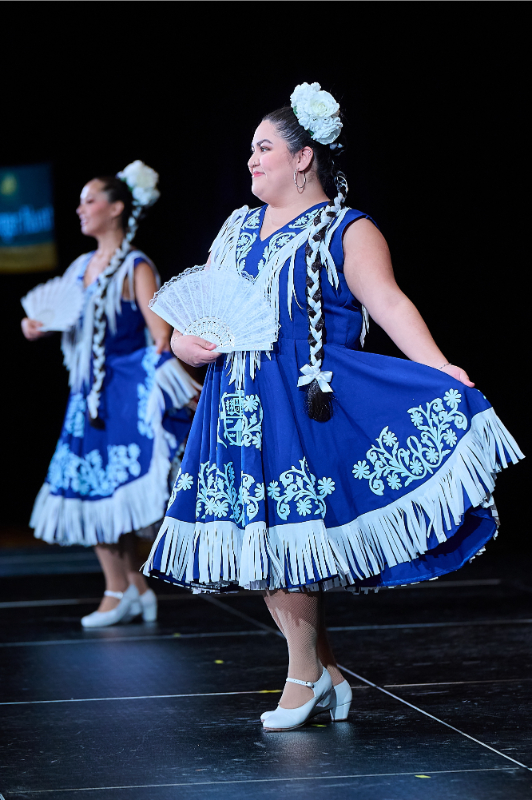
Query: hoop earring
(299,188)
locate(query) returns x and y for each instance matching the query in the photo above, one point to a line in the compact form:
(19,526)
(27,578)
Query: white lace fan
(220,306)
(56,303)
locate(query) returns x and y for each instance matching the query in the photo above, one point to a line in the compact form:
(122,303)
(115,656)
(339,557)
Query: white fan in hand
(56,303)
(220,306)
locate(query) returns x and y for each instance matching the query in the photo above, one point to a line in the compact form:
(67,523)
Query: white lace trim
(225,255)
(257,556)
(77,343)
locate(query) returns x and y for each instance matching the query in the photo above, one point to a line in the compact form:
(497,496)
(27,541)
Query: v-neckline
(85,268)
(290,221)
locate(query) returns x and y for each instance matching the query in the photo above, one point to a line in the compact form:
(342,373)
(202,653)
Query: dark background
(435,100)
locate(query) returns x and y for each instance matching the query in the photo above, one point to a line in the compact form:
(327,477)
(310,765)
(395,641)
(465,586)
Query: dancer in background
(388,483)
(129,409)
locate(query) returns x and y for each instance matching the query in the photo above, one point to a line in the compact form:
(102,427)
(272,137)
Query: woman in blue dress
(317,465)
(127,414)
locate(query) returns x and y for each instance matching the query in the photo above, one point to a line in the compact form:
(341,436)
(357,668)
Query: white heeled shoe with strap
(128,607)
(287,719)
(343,696)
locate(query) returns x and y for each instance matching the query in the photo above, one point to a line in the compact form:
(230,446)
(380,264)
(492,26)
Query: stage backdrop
(27,219)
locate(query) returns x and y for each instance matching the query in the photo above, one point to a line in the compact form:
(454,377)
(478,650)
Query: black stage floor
(441,674)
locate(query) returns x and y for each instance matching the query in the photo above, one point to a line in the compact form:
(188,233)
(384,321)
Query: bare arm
(369,274)
(145,288)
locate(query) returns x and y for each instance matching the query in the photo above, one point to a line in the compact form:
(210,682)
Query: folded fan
(220,306)
(56,303)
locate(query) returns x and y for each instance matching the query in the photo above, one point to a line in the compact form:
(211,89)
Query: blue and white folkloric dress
(104,483)
(395,488)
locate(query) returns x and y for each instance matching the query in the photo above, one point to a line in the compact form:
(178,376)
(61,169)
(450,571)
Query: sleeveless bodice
(130,332)
(343,315)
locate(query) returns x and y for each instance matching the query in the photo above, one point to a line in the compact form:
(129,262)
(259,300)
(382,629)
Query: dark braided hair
(318,392)
(116,190)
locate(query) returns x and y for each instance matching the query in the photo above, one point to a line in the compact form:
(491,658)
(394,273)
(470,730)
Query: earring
(299,188)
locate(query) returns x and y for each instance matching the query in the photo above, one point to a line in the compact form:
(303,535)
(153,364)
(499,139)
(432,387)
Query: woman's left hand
(458,373)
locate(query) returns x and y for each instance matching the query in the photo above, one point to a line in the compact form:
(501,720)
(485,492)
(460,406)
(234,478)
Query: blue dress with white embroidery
(104,483)
(395,488)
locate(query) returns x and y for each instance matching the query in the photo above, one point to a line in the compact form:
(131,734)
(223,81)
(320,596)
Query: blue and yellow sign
(27,242)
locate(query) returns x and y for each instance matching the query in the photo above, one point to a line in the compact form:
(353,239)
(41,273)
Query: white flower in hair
(142,180)
(317,112)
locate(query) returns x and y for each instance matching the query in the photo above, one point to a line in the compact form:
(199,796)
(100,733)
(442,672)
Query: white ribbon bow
(315,373)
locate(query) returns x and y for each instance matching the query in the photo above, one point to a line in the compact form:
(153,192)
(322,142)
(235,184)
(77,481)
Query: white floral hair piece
(142,181)
(317,112)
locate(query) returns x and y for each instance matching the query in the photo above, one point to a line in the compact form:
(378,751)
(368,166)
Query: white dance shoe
(287,719)
(148,605)
(339,711)
(128,608)
(343,699)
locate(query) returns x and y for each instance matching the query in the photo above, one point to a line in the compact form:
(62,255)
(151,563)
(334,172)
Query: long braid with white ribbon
(141,181)
(100,318)
(319,391)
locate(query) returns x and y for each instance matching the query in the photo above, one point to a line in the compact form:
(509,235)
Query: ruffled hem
(134,506)
(216,555)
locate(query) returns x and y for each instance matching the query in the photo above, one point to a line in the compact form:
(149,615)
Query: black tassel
(318,404)
(97,422)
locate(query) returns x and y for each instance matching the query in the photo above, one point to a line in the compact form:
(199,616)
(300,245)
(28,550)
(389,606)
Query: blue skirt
(104,483)
(395,488)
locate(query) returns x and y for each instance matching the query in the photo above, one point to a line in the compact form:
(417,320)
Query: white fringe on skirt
(136,505)
(258,557)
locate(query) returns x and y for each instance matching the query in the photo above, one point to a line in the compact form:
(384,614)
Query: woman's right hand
(31,328)
(193,350)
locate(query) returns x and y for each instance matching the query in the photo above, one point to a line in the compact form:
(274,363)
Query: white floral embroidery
(300,486)
(75,416)
(251,402)
(240,419)
(87,476)
(304,221)
(277,240)
(183,482)
(422,456)
(243,248)
(149,362)
(173,495)
(218,496)
(253,221)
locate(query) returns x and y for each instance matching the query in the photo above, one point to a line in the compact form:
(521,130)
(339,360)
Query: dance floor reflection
(441,674)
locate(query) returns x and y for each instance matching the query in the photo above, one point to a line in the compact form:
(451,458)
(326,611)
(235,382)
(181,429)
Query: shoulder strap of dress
(136,254)
(341,222)
(126,271)
(325,253)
